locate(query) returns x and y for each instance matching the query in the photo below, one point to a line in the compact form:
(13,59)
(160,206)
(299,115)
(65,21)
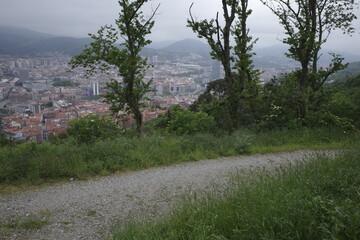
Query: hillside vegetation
(32,163)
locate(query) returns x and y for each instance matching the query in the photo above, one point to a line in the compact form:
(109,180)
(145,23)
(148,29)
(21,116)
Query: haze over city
(77,18)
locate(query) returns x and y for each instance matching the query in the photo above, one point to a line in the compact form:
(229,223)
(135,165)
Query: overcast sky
(77,18)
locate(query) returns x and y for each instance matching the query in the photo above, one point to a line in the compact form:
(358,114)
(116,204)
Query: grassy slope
(31,164)
(315,200)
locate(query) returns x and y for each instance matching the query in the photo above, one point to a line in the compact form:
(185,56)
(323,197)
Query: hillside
(188,45)
(20,41)
(352,70)
(274,57)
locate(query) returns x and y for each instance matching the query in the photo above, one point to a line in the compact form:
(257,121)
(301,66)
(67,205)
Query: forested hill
(20,41)
(345,98)
(352,70)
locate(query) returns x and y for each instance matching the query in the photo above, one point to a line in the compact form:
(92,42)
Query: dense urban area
(40,95)
(43,93)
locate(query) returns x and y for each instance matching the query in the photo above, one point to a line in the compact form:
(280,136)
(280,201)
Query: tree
(238,57)
(132,27)
(5,140)
(181,121)
(308,24)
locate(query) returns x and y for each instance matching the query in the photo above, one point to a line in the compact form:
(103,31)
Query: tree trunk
(139,121)
(303,81)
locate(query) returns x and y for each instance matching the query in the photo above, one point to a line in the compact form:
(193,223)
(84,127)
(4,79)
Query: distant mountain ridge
(21,41)
(279,50)
(160,44)
(188,45)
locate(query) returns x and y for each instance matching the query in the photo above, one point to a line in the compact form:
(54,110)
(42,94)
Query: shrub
(184,122)
(92,128)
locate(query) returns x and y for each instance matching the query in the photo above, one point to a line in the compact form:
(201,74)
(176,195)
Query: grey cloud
(80,17)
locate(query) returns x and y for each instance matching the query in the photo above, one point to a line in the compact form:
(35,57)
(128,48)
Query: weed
(91,213)
(32,224)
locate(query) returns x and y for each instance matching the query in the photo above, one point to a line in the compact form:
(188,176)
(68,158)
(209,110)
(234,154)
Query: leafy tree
(236,60)
(48,104)
(5,140)
(339,101)
(132,27)
(181,121)
(308,24)
(344,99)
(212,103)
(280,95)
(91,128)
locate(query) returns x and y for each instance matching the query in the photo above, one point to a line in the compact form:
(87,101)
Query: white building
(95,88)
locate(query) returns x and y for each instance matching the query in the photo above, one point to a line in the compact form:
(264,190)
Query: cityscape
(40,95)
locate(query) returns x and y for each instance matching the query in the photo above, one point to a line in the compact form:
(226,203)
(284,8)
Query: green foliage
(5,111)
(65,83)
(32,163)
(215,102)
(92,128)
(186,122)
(281,98)
(308,25)
(233,58)
(92,98)
(48,104)
(289,139)
(5,140)
(103,54)
(336,106)
(344,100)
(352,70)
(32,224)
(315,199)
(181,121)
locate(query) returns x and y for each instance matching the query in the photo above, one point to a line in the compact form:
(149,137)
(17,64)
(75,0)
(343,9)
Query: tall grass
(319,199)
(303,138)
(34,164)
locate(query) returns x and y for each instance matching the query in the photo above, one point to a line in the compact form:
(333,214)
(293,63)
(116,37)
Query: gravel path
(87,209)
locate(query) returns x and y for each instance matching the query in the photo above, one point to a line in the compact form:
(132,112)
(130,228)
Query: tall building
(95,88)
(35,108)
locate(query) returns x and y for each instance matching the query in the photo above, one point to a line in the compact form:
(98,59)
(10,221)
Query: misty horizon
(78,18)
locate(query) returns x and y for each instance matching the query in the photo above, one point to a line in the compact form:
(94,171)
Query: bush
(92,128)
(184,122)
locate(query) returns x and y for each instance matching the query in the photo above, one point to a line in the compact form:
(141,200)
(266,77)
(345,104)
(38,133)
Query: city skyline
(77,18)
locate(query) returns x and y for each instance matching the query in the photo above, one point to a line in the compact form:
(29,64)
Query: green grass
(290,140)
(319,199)
(31,164)
(32,224)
